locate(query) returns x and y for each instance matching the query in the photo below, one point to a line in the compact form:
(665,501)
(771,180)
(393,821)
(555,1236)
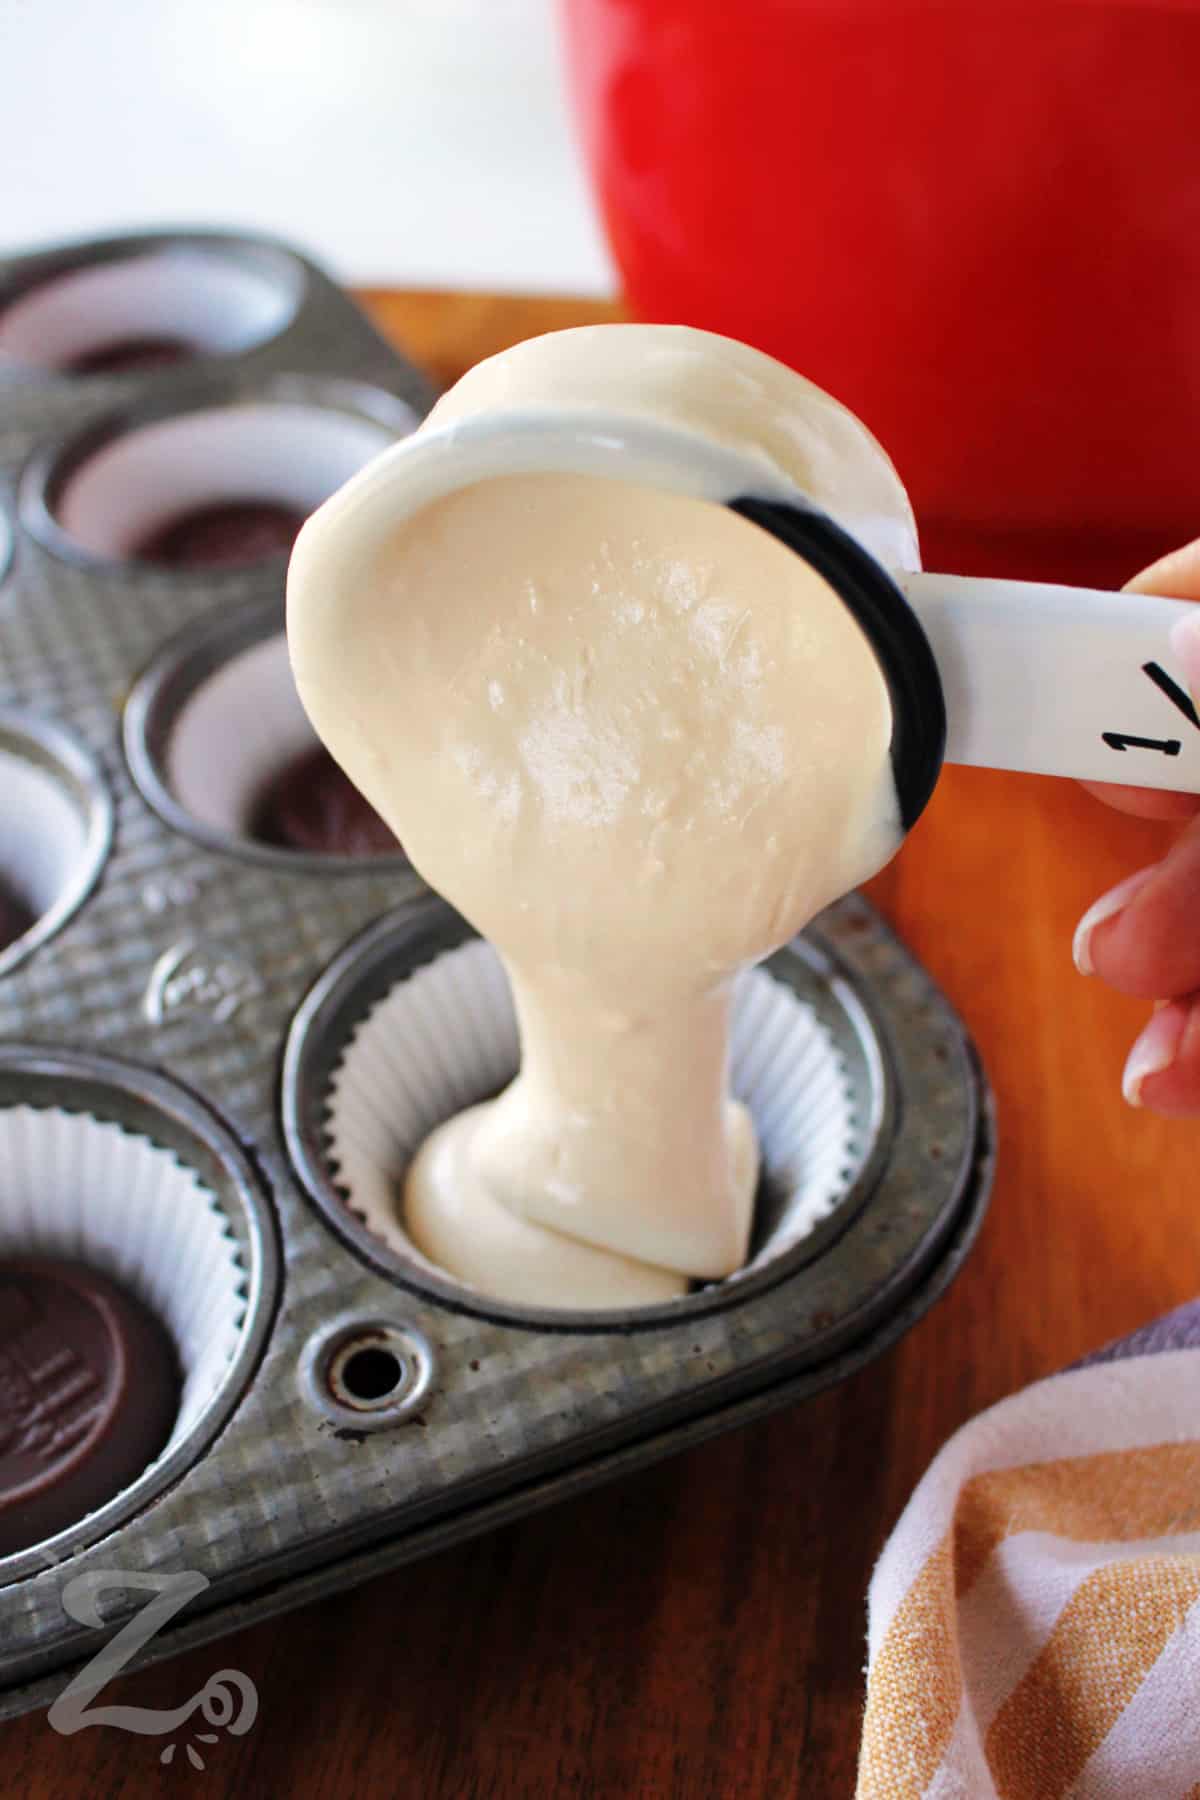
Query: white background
(419,142)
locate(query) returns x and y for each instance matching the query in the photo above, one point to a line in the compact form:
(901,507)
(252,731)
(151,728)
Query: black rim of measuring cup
(893,631)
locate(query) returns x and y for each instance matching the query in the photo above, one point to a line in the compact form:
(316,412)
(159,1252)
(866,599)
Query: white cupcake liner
(239,727)
(213,722)
(43,832)
(446,1036)
(55,825)
(85,1189)
(290,451)
(219,302)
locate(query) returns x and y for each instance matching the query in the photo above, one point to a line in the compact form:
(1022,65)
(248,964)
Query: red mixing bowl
(977,224)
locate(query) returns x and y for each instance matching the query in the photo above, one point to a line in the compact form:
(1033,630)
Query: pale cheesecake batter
(638,744)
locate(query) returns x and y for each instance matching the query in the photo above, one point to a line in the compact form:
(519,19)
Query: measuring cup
(1006,674)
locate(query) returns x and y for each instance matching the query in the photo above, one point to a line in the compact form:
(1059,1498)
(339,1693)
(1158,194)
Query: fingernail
(1154,1051)
(1106,907)
(1185,642)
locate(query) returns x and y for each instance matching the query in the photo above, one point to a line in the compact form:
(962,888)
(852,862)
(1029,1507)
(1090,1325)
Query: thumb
(1176,577)
(1185,642)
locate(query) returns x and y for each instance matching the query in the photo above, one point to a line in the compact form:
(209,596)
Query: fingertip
(1154,1051)
(1141,937)
(1145,803)
(1185,642)
(1102,912)
(1162,1073)
(1177,575)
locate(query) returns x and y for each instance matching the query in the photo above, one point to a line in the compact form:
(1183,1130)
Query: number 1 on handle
(1059,680)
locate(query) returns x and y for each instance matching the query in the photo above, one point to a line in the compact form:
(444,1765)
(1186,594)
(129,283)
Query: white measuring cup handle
(1060,680)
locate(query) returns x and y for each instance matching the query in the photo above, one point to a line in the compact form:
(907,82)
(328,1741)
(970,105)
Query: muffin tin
(176,1025)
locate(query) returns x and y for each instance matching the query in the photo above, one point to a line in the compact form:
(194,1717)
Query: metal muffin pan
(63,1090)
(371,1416)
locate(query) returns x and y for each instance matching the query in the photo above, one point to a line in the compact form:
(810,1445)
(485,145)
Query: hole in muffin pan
(367,1374)
(144,308)
(216,485)
(221,748)
(413,1021)
(113,1168)
(55,831)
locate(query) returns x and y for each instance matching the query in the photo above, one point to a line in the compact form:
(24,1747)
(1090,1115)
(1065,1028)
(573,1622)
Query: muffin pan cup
(112,1166)
(444,1035)
(211,295)
(211,720)
(56,821)
(288,441)
(374,1414)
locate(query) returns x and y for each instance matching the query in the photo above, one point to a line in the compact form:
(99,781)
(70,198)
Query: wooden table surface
(698,1629)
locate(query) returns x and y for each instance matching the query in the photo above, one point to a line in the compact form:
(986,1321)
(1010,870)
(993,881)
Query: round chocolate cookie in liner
(110,1168)
(223,535)
(311,804)
(89,1392)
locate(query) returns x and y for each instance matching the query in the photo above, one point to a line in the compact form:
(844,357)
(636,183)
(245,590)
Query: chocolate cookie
(15,917)
(311,805)
(131,354)
(89,1391)
(222,536)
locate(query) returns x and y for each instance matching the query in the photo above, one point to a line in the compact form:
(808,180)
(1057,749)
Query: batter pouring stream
(638,744)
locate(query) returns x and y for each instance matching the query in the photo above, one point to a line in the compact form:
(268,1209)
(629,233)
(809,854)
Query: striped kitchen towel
(1035,1616)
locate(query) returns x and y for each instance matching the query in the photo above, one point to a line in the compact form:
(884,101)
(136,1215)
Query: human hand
(1143,937)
